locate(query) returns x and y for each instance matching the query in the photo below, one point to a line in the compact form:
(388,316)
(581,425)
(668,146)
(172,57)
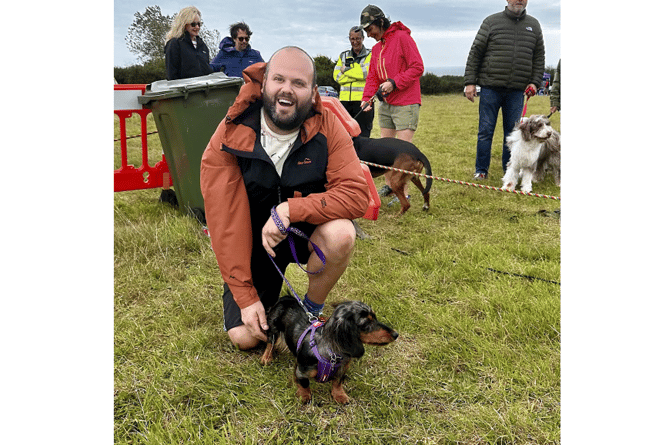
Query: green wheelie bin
(187,112)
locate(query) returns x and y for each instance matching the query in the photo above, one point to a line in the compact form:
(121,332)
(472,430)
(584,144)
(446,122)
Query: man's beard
(517,9)
(289,122)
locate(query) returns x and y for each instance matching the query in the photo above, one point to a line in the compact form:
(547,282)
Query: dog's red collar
(326,369)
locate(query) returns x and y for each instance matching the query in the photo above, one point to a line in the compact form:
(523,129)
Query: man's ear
(314,92)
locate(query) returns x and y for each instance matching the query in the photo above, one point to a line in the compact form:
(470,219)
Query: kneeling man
(278,146)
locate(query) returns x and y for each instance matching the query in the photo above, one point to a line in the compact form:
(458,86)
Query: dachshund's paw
(339,394)
(341,397)
(267,356)
(304,394)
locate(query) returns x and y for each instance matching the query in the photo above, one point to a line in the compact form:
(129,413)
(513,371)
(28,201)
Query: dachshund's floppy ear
(346,334)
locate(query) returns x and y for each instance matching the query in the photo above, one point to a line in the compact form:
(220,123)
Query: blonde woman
(186,54)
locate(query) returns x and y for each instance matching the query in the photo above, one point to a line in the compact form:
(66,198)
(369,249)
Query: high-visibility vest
(352,80)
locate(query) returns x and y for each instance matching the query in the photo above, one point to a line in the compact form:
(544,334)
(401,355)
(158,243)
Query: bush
(431,84)
(324,69)
(141,74)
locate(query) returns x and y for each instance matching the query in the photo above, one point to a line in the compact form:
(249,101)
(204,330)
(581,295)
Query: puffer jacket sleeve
(538,58)
(347,193)
(228,217)
(476,54)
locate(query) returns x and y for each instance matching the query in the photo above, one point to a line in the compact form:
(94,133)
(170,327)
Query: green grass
(477,360)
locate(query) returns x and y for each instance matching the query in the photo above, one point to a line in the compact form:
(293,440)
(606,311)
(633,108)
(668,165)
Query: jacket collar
(236,133)
(363,52)
(186,38)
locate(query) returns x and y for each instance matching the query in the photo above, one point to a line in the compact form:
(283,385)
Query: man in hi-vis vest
(350,72)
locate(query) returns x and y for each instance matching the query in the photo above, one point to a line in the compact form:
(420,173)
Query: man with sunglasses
(236,53)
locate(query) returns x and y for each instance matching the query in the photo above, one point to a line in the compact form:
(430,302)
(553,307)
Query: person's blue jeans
(490,101)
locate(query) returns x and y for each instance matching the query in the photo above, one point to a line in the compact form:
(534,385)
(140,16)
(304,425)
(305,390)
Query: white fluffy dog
(535,149)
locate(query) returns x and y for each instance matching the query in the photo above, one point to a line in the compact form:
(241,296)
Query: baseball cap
(370,14)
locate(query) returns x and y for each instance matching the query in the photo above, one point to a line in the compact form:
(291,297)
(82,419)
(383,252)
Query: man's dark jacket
(508,52)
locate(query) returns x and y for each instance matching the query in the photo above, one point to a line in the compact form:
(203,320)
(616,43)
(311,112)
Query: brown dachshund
(324,350)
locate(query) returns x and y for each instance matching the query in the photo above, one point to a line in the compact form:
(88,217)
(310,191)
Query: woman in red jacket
(395,69)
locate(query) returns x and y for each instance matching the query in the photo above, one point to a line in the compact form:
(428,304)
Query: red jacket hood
(395,27)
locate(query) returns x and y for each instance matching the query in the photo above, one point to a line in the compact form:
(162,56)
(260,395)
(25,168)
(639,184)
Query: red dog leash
(528,93)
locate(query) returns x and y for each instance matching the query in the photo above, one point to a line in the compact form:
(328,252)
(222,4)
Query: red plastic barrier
(333,104)
(129,177)
(374,200)
(353,129)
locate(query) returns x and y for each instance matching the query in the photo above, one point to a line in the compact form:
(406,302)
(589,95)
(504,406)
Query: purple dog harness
(326,369)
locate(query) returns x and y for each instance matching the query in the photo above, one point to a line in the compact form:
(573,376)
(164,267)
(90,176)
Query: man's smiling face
(288,90)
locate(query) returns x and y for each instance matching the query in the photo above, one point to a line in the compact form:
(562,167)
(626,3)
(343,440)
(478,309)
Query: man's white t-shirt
(276,145)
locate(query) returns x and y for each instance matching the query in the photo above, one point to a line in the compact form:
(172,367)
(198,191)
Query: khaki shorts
(398,117)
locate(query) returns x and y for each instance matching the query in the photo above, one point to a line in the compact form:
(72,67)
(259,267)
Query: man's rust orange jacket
(322,180)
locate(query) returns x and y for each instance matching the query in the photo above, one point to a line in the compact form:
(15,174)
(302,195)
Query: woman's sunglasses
(194,24)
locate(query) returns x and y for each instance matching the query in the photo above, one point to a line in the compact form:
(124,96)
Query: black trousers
(266,279)
(364,119)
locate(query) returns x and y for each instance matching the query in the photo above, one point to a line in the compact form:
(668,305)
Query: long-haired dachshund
(403,155)
(324,350)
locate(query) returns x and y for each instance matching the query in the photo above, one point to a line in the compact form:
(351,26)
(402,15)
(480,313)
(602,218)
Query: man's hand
(255,320)
(470,92)
(554,109)
(531,90)
(271,235)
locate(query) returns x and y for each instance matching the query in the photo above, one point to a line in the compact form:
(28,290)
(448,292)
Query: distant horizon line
(453,70)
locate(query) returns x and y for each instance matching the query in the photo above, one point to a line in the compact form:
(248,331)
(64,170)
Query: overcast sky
(443,29)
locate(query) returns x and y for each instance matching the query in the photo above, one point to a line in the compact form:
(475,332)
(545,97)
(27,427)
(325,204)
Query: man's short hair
(357,28)
(239,26)
(313,64)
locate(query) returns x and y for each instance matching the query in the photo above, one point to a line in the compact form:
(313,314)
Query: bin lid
(166,89)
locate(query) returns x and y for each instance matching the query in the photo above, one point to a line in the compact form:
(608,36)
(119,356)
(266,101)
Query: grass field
(472,287)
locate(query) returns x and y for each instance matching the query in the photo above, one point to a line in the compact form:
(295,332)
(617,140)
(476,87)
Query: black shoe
(395,200)
(385,191)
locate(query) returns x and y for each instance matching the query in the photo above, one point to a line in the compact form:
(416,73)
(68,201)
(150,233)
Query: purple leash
(326,369)
(289,232)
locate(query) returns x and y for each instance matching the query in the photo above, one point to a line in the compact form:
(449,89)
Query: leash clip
(334,359)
